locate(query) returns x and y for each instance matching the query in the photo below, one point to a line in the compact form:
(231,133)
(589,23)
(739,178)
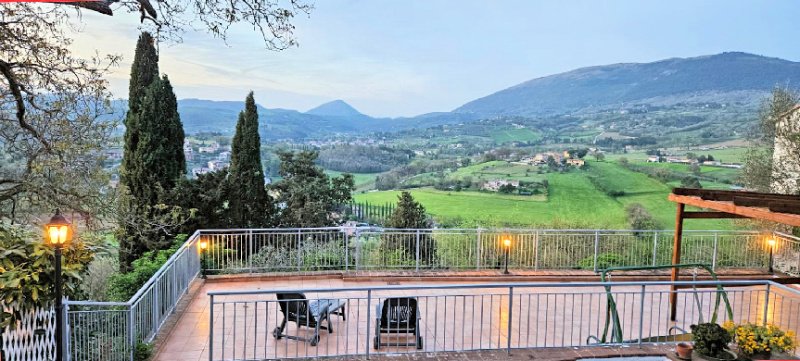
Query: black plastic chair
(296,308)
(398,315)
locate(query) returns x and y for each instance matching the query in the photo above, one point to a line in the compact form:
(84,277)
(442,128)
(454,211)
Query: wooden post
(676,259)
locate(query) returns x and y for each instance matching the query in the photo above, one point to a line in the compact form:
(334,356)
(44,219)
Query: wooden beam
(729,207)
(707,215)
(676,259)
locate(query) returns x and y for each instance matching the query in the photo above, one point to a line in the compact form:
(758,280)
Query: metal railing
(112,330)
(355,249)
(106,331)
(490,316)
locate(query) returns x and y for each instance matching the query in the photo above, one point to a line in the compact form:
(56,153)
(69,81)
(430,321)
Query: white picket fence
(33,338)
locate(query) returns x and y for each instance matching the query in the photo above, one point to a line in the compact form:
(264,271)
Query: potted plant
(684,351)
(760,342)
(711,342)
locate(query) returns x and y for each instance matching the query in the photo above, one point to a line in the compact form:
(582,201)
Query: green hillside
(576,199)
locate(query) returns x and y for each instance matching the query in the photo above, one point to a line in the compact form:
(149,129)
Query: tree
(695,169)
(309,196)
(690,182)
(758,173)
(599,156)
(639,218)
(507,188)
(249,205)
(153,159)
(411,214)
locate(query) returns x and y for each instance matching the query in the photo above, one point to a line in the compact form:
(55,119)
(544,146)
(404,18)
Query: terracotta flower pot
(684,351)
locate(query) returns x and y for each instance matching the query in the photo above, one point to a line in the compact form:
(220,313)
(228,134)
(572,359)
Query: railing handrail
(490,229)
(147,285)
(789,237)
(507,285)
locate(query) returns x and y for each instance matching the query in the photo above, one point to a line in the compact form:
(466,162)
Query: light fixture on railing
(507,247)
(203,245)
(58,234)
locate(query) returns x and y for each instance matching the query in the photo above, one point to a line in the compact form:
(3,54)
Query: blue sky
(403,58)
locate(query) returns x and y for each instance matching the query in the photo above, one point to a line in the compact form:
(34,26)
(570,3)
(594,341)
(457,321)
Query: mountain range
(732,78)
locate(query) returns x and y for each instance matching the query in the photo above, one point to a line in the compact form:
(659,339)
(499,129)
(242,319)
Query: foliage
(206,197)
(54,126)
(27,268)
(310,196)
(639,218)
(153,159)
(411,214)
(143,351)
(710,339)
(604,261)
(96,282)
(124,285)
(758,173)
(249,205)
(690,182)
(363,158)
(751,338)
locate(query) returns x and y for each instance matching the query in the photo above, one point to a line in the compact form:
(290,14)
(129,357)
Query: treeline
(362,158)
(618,143)
(395,177)
(370,213)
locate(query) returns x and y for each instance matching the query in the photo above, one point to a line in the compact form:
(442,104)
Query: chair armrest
(378,310)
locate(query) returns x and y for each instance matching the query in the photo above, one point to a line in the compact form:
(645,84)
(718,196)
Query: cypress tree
(249,204)
(153,158)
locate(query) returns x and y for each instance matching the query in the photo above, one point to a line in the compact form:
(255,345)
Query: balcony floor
(185,337)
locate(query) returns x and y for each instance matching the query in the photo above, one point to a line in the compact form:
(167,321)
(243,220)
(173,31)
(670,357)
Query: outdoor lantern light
(771,243)
(58,233)
(507,246)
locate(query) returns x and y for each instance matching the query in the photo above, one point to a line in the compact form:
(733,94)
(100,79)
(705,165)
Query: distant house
(652,159)
(224,156)
(199,170)
(541,158)
(217,165)
(494,185)
(114,154)
(211,148)
(576,162)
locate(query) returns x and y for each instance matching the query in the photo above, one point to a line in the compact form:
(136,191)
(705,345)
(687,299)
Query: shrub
(753,339)
(97,280)
(143,351)
(604,260)
(639,218)
(124,285)
(710,339)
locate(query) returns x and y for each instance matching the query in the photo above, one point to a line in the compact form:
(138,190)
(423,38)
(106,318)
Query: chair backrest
(399,313)
(294,305)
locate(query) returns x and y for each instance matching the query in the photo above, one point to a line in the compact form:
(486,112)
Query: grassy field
(362,180)
(719,174)
(573,200)
(514,135)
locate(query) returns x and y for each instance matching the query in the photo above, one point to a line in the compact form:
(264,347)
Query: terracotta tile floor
(452,319)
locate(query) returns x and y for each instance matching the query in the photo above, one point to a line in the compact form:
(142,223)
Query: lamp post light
(507,246)
(771,242)
(203,244)
(58,235)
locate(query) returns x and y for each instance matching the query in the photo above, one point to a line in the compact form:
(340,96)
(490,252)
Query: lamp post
(203,246)
(771,242)
(507,246)
(58,234)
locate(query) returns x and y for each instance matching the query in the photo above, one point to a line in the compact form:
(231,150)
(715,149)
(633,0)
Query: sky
(391,58)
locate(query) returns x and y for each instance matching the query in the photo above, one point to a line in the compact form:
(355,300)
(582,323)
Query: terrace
(551,298)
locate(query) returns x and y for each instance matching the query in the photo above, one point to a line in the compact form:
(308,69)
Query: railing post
(358,249)
(299,251)
(510,318)
(131,332)
(478,251)
(538,248)
(417,250)
(655,247)
(596,248)
(369,322)
(67,355)
(250,250)
(766,305)
(714,255)
(155,305)
(346,251)
(211,328)
(641,316)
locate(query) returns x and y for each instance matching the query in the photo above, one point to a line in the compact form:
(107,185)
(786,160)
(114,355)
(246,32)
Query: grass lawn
(573,201)
(514,135)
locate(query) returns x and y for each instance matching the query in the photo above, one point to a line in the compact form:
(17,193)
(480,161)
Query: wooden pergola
(777,208)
